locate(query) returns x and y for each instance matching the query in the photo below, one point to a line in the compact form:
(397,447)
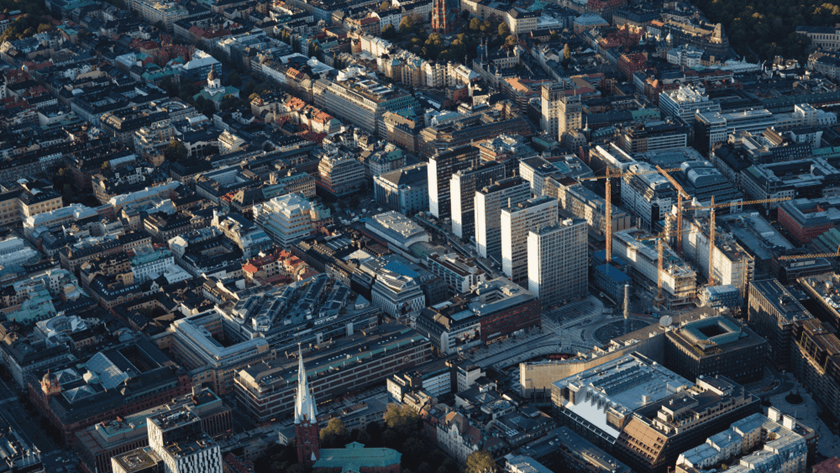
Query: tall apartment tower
(517,221)
(569,115)
(489,202)
(440,170)
(557,262)
(462,189)
(306,421)
(177,444)
(551,95)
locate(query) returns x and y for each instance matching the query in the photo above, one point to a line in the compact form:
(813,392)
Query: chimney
(626,309)
(789,422)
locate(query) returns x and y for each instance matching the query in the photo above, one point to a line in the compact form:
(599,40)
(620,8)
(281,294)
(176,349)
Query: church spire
(305,410)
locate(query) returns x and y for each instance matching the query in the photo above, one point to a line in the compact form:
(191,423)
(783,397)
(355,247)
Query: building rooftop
(175,418)
(787,306)
(621,386)
(754,233)
(711,333)
(333,355)
(396,226)
(672,264)
(779,442)
(138,460)
(524,464)
(564,439)
(354,456)
(406,176)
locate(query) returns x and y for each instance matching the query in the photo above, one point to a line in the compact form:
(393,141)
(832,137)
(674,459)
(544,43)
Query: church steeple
(306,420)
(305,410)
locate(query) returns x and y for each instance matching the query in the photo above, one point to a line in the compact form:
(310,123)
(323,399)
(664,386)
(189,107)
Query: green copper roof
(355,456)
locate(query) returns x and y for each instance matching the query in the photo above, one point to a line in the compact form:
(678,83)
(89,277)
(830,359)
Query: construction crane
(741,202)
(638,173)
(608,203)
(659,270)
(815,255)
(712,242)
(660,264)
(681,194)
(608,218)
(711,207)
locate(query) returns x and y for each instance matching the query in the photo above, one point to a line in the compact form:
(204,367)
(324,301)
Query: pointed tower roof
(304,404)
(211,76)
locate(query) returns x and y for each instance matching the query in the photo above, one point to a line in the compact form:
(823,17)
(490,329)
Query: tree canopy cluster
(402,431)
(33,21)
(767,28)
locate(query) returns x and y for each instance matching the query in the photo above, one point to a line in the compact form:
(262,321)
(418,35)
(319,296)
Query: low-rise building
(496,308)
(754,443)
(177,444)
(405,190)
(196,347)
(98,443)
(717,346)
(398,295)
(266,390)
(651,414)
(71,401)
(772,312)
(397,230)
(460,275)
(286,219)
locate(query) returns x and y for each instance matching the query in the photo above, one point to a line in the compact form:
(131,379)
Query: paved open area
(808,413)
(575,327)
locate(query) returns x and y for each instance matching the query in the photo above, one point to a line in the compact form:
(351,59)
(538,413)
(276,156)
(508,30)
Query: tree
(402,419)
(424,468)
(553,36)
(249,88)
(44,27)
(504,30)
(375,431)
(334,434)
(386,5)
(390,439)
(276,457)
(511,41)
(414,452)
(105,165)
(253,96)
(363,437)
(480,461)
(406,24)
(187,91)
(168,85)
(229,102)
(475,24)
(234,80)
(175,151)
(388,32)
(567,53)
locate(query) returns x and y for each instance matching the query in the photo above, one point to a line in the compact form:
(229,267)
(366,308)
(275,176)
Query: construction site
(732,264)
(640,251)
